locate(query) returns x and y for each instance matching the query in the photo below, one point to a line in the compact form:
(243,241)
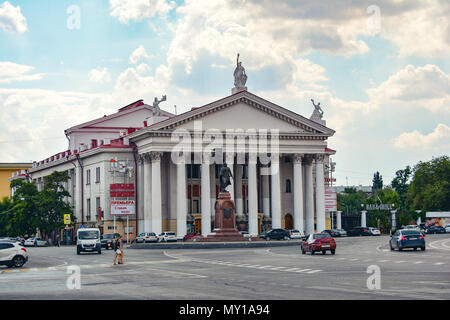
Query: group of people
(118,249)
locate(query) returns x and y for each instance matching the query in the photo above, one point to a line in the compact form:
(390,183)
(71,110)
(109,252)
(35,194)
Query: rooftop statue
(240,78)
(156,109)
(318,112)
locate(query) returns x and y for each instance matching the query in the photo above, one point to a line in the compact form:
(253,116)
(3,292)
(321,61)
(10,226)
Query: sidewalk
(215,245)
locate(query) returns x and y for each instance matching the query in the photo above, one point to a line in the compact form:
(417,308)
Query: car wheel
(333,251)
(18,261)
(422,248)
(286,238)
(99,251)
(268,238)
(415,249)
(312,251)
(324,251)
(78,251)
(303,251)
(400,248)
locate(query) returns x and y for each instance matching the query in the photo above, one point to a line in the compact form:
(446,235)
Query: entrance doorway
(288,222)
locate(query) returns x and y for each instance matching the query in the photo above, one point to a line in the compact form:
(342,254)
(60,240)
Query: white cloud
(13,72)
(439,139)
(138,54)
(11,18)
(99,75)
(137,10)
(143,68)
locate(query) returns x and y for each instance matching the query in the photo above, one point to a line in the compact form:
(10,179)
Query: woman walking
(118,248)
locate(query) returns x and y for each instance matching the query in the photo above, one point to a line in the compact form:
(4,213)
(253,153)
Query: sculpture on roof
(156,109)
(318,112)
(240,78)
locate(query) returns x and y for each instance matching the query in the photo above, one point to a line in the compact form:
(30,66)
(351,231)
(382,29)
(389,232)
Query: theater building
(167,166)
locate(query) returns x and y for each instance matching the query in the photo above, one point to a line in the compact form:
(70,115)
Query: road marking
(314,271)
(384,260)
(399,261)
(439,263)
(417,262)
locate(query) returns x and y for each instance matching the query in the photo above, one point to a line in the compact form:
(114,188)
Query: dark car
(434,229)
(107,240)
(319,242)
(404,238)
(333,233)
(275,234)
(359,231)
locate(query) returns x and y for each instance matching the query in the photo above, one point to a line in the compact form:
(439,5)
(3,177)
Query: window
(288,186)
(97,206)
(196,171)
(97,175)
(88,217)
(88,176)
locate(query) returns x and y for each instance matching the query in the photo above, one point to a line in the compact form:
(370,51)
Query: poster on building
(122,207)
(330,199)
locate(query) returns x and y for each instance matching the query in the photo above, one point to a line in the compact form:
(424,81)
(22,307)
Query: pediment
(244,111)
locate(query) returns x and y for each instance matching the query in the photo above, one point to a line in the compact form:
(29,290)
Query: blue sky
(386,91)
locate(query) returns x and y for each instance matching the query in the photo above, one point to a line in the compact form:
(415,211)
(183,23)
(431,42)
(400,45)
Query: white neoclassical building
(172,164)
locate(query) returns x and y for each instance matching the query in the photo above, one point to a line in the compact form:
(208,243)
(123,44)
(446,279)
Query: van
(88,239)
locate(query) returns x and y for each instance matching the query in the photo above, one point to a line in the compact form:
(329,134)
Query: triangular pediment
(243,110)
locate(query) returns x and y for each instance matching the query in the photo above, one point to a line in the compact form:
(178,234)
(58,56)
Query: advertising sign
(122,207)
(330,199)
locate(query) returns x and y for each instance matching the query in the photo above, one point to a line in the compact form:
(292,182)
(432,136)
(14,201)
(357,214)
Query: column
(309,195)
(156,202)
(212,173)
(78,196)
(230,164)
(181,199)
(205,196)
(320,194)
(276,192)
(266,192)
(147,193)
(394,220)
(298,193)
(238,195)
(363,218)
(252,196)
(141,195)
(338,220)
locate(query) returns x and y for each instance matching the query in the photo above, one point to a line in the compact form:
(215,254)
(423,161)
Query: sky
(380,69)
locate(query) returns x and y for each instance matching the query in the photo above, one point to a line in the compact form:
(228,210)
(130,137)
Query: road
(277,273)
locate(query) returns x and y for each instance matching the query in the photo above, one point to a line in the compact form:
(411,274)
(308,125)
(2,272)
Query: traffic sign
(67,219)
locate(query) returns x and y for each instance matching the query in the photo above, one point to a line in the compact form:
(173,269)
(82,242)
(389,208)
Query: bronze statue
(224,177)
(240,78)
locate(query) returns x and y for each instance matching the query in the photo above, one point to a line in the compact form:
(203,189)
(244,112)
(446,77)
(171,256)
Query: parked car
(434,229)
(35,242)
(275,234)
(374,231)
(295,234)
(167,236)
(12,254)
(407,239)
(447,228)
(333,233)
(319,242)
(147,237)
(341,232)
(359,231)
(192,236)
(107,240)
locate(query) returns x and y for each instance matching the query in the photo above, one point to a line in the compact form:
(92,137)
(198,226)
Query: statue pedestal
(238,89)
(225,221)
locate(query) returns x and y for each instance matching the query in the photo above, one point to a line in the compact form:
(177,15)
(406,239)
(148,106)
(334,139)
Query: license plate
(325,246)
(412,238)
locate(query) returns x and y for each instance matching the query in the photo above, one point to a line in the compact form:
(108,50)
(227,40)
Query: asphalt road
(279,273)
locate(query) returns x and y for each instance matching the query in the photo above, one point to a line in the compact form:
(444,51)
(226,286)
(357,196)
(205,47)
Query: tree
(5,214)
(51,203)
(25,216)
(430,186)
(377,182)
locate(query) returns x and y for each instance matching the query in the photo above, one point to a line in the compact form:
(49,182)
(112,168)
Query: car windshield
(170,233)
(322,236)
(410,232)
(295,231)
(87,235)
(108,236)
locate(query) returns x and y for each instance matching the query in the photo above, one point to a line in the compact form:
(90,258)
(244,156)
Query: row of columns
(303,165)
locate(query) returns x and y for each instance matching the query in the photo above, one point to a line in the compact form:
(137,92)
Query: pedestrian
(118,249)
(57,241)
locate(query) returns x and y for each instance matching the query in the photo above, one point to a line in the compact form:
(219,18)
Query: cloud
(137,10)
(13,72)
(11,18)
(99,75)
(138,55)
(427,87)
(439,139)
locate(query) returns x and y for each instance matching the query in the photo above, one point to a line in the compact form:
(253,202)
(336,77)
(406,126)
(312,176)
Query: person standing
(118,249)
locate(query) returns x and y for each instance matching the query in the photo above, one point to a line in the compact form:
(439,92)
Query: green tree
(377,181)
(25,216)
(430,186)
(5,216)
(52,204)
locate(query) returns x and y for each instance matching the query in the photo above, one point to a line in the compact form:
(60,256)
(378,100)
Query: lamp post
(394,220)
(363,216)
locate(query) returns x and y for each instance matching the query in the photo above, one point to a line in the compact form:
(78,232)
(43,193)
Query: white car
(374,231)
(447,228)
(167,236)
(12,254)
(147,237)
(295,234)
(35,242)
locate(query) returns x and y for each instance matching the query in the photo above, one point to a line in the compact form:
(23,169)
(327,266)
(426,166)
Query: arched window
(288,186)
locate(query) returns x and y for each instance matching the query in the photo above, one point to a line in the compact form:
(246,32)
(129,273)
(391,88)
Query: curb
(214,245)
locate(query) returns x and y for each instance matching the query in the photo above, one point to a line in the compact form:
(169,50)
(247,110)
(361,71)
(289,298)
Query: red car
(192,236)
(319,242)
